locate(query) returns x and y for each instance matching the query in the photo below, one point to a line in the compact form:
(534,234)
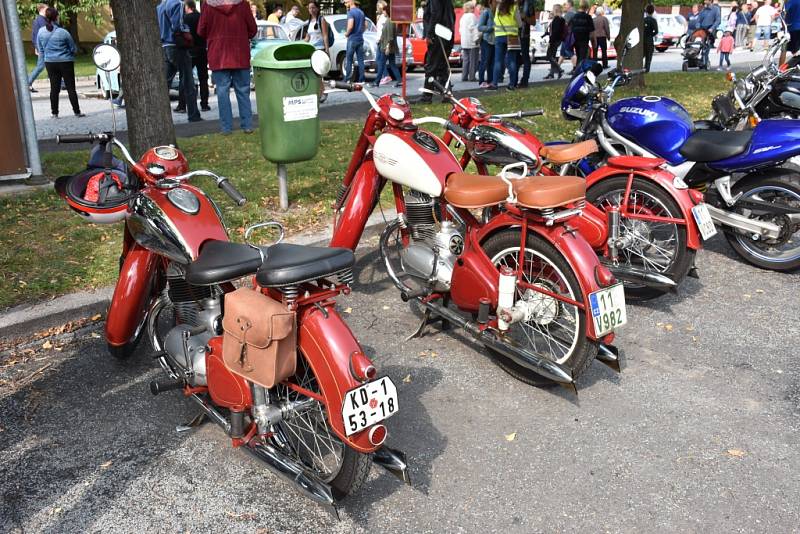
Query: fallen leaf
(386,307)
(759,290)
(47,345)
(95,335)
(668,327)
(747,295)
(56,511)
(106,465)
(659,324)
(423,353)
(348,310)
(736,453)
(694,338)
(407,379)
(434,354)
(97,317)
(511,437)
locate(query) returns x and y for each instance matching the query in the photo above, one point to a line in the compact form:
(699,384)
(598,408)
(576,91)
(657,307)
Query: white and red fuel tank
(414,158)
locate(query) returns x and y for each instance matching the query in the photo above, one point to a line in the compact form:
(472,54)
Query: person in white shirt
(764,17)
(470,43)
(294,12)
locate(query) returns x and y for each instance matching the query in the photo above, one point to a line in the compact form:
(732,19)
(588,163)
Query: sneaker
(205,108)
(79,114)
(32,89)
(247,130)
(491,87)
(196,119)
(54,115)
(179,109)
(483,85)
(549,76)
(511,88)
(386,80)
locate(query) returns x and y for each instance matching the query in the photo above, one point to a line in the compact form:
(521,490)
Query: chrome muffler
(638,276)
(393,461)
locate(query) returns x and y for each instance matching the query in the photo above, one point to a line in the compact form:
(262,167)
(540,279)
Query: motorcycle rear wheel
(786,190)
(652,198)
(307,437)
(556,274)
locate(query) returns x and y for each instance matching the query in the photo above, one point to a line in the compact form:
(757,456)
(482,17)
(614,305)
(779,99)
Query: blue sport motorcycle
(753,199)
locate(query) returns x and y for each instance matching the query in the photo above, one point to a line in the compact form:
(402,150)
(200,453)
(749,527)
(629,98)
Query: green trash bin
(287,97)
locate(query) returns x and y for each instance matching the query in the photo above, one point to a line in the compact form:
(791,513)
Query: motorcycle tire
(585,349)
(790,183)
(684,259)
(123,352)
(685,66)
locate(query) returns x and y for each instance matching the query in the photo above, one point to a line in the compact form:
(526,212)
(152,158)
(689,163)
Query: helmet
(99,198)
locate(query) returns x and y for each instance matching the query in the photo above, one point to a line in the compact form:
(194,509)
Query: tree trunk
(144,81)
(632,17)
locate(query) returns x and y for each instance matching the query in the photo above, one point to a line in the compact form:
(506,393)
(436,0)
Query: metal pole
(403,64)
(23,94)
(283,190)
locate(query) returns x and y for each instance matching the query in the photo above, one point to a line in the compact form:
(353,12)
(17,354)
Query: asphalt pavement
(699,433)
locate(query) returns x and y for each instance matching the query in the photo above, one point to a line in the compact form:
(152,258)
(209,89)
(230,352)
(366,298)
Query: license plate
(704,221)
(369,404)
(608,309)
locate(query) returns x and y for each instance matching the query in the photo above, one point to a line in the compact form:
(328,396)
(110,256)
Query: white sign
(298,108)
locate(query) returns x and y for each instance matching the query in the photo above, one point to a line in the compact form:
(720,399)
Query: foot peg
(160,386)
(405,296)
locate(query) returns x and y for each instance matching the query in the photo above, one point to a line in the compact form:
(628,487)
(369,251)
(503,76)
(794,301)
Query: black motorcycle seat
(288,264)
(711,145)
(284,264)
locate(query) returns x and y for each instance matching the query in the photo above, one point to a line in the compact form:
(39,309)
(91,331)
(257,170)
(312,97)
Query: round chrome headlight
(744,89)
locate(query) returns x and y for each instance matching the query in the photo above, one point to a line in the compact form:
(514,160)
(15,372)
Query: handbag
(183,39)
(513,42)
(259,340)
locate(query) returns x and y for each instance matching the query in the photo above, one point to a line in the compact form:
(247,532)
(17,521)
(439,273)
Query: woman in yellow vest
(506,43)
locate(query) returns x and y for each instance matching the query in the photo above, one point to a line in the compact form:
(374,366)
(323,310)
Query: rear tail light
(361,367)
(377,435)
(603,276)
(696,196)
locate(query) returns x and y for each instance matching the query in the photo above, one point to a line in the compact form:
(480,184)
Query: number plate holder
(704,221)
(608,309)
(369,404)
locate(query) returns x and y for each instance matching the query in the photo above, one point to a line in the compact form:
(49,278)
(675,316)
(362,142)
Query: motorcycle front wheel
(556,329)
(655,246)
(306,436)
(783,253)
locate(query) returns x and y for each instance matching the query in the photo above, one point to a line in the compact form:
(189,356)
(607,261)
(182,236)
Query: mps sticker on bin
(298,108)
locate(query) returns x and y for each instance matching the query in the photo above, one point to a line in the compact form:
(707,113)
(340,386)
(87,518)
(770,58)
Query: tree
(632,17)
(144,80)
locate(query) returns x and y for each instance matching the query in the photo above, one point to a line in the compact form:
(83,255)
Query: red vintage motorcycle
(317,421)
(524,282)
(639,218)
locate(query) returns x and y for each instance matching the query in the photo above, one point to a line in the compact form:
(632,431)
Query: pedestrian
(725,48)
(387,51)
(227,26)
(58,48)
(581,26)
(740,30)
(764,17)
(38,23)
(486,29)
(650,32)
(277,13)
(568,42)
(506,43)
(751,26)
(470,43)
(557,30)
(356,24)
(602,31)
(708,20)
(175,45)
(319,31)
(792,9)
(197,54)
(438,52)
(527,16)
(691,22)
(254,11)
(294,12)
(730,22)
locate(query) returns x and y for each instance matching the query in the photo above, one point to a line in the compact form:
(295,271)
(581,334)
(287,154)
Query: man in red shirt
(227,26)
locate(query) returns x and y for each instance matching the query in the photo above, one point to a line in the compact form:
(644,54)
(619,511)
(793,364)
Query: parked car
(267,33)
(670,30)
(108,83)
(339,47)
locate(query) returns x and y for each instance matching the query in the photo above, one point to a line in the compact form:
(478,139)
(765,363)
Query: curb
(27,319)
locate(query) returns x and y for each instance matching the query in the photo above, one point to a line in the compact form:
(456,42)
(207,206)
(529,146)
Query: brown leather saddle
(465,190)
(569,152)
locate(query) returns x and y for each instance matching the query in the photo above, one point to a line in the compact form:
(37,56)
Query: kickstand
(198,420)
(426,316)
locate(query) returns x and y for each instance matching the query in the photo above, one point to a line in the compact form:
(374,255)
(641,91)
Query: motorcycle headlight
(744,89)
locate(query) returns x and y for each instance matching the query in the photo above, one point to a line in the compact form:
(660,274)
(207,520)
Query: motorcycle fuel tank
(415,159)
(786,94)
(503,144)
(659,125)
(172,227)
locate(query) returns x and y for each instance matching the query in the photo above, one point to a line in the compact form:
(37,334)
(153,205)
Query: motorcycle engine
(431,242)
(198,314)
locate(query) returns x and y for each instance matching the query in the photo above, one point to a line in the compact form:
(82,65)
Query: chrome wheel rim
(557,337)
(787,247)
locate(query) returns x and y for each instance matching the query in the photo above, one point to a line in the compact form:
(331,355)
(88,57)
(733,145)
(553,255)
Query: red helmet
(93,195)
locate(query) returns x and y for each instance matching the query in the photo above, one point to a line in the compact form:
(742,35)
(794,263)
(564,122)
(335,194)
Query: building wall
(88,32)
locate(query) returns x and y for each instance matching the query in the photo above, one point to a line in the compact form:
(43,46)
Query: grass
(45,250)
(83,66)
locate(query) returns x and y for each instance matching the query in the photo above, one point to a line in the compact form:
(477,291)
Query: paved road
(98,111)
(699,433)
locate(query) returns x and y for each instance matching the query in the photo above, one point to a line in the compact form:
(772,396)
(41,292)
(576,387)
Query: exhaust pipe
(609,355)
(530,360)
(639,276)
(304,481)
(393,461)
(284,467)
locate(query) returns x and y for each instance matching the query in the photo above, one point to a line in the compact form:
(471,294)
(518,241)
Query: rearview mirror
(106,57)
(320,63)
(633,38)
(443,32)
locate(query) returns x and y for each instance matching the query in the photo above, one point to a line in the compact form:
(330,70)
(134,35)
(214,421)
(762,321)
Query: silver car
(339,48)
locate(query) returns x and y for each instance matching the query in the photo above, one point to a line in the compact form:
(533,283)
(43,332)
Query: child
(725,48)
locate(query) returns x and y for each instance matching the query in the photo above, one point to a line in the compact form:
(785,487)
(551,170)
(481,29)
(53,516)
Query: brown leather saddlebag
(260,342)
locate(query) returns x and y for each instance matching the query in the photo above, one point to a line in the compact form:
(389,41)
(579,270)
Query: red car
(419,45)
